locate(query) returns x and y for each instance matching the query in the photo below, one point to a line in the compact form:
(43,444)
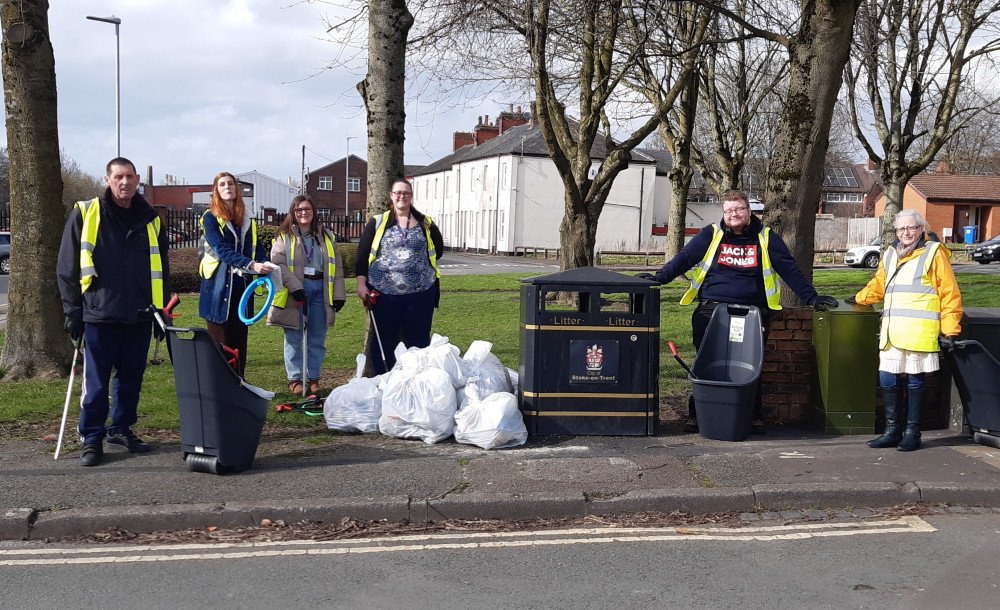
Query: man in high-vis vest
(922,308)
(736,261)
(112,266)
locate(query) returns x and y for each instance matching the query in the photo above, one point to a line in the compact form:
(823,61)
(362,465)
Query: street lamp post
(347,167)
(118,96)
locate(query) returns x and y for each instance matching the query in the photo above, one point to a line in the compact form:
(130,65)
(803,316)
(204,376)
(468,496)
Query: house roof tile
(953,187)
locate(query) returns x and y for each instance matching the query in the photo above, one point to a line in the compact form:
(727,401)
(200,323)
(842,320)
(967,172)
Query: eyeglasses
(734,210)
(402,193)
(304,211)
(902,230)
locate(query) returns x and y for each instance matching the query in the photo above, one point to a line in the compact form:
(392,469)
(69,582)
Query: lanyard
(402,231)
(305,246)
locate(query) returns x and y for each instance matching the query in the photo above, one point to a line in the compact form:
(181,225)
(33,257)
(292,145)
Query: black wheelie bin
(221,416)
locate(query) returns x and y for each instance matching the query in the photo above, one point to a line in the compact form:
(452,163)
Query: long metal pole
(347,192)
(118,94)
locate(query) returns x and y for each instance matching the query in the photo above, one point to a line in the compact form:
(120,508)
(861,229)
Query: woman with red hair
(230,249)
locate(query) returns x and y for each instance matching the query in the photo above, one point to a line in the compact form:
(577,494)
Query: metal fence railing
(184,228)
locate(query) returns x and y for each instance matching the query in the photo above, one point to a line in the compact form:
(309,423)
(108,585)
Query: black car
(988,251)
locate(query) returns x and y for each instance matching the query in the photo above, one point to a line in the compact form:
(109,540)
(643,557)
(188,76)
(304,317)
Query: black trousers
(700,318)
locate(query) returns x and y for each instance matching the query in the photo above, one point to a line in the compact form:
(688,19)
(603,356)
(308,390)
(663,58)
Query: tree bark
(384,94)
(35,346)
(818,53)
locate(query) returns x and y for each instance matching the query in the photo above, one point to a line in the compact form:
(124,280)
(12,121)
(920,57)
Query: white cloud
(210,86)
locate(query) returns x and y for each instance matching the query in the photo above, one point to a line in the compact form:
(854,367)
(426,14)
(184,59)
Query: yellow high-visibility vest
(331,267)
(911,318)
(382,220)
(91,213)
(209,263)
(772,289)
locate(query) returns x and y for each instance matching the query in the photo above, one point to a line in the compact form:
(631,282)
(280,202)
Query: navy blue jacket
(735,276)
(121,257)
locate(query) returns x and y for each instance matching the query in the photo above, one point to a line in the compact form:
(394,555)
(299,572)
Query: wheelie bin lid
(981,315)
(588,276)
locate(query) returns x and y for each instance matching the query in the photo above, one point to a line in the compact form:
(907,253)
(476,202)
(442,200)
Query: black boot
(893,434)
(691,422)
(911,440)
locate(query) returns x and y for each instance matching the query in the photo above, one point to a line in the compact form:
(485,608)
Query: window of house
(353,185)
(326,183)
(323,213)
(504,182)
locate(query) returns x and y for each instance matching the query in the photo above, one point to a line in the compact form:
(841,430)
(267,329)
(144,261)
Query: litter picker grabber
(673,348)
(174,300)
(312,406)
(368,302)
(303,322)
(69,393)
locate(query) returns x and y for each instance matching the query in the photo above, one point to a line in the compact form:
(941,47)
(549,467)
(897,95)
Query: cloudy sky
(219,85)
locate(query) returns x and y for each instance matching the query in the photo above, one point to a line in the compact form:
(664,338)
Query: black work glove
(338,305)
(299,295)
(823,302)
(73,325)
(646,276)
(947,342)
(851,301)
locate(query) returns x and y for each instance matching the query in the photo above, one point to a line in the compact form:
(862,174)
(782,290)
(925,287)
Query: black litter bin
(221,416)
(589,361)
(977,377)
(726,372)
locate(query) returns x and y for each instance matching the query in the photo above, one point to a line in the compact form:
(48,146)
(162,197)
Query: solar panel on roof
(840,176)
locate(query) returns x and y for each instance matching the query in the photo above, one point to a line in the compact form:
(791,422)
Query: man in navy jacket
(112,266)
(736,261)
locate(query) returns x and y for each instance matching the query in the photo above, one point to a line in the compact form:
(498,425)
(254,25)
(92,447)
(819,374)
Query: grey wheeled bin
(977,377)
(221,416)
(726,371)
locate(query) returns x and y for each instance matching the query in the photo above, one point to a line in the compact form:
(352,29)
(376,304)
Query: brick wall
(785,377)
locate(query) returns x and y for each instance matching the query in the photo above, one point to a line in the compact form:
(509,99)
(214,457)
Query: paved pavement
(375,477)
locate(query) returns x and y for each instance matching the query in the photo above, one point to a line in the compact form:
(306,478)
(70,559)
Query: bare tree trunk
(818,54)
(35,345)
(893,204)
(383,92)
(681,171)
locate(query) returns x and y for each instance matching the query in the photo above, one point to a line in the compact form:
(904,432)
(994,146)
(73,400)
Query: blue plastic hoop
(264,280)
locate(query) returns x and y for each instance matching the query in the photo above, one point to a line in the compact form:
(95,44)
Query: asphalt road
(935,561)
(460,263)
(4,281)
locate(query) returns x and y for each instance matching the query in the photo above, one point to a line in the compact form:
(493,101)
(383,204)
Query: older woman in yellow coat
(922,303)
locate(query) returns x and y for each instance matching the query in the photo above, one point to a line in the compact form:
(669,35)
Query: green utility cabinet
(590,363)
(845,341)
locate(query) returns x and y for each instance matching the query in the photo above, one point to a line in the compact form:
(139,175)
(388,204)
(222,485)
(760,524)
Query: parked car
(5,252)
(865,256)
(988,251)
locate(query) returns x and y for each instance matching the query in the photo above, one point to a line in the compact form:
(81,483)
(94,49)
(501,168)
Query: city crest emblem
(595,358)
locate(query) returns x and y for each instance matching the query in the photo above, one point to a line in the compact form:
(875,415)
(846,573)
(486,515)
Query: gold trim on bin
(617,329)
(588,413)
(582,395)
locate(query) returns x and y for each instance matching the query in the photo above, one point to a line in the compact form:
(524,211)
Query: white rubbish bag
(440,354)
(356,405)
(492,423)
(418,405)
(486,374)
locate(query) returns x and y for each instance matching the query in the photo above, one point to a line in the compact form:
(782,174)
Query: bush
(265,237)
(348,256)
(184,270)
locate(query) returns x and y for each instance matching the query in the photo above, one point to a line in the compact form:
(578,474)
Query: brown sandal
(295,387)
(313,386)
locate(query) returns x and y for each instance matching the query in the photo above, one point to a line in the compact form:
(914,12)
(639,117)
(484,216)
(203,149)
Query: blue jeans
(124,348)
(315,336)
(891,380)
(405,317)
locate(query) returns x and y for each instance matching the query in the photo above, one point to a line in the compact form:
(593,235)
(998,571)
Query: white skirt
(894,360)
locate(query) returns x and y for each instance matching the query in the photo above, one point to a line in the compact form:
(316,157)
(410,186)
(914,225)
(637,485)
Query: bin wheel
(203,463)
(986,439)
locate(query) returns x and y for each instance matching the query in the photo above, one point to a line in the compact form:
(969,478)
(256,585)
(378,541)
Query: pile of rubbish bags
(433,393)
